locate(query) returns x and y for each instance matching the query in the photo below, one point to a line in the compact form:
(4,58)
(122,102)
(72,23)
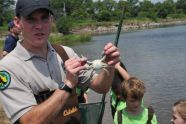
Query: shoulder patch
(5,80)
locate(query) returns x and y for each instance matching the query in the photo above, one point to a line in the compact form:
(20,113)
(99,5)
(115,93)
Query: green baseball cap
(26,7)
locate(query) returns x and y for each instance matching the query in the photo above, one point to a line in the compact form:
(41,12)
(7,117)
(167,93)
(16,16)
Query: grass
(3,28)
(69,40)
(1,44)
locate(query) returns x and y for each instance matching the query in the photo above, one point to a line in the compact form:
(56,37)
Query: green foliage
(150,15)
(3,28)
(116,14)
(77,38)
(1,44)
(104,16)
(162,13)
(146,5)
(72,39)
(64,24)
(181,4)
(176,16)
(133,8)
(110,10)
(80,14)
(6,11)
(169,6)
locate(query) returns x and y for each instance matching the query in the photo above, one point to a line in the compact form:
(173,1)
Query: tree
(133,7)
(64,25)
(6,9)
(181,5)
(78,9)
(146,6)
(170,6)
(109,4)
(165,8)
(162,12)
(147,10)
(104,15)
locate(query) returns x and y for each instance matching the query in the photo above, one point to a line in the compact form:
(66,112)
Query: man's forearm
(102,82)
(46,111)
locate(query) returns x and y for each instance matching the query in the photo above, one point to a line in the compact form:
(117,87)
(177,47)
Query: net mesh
(91,112)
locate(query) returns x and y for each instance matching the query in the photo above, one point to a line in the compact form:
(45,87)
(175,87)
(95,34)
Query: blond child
(179,112)
(134,113)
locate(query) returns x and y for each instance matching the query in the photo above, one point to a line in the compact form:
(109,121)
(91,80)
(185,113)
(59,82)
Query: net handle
(116,44)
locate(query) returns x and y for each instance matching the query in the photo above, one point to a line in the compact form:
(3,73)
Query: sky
(154,1)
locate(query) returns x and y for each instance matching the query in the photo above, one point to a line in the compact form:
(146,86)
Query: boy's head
(133,88)
(133,91)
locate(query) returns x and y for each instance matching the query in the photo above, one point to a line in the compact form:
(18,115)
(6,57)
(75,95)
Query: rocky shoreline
(97,30)
(128,27)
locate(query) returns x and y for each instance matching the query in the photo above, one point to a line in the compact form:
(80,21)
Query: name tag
(69,111)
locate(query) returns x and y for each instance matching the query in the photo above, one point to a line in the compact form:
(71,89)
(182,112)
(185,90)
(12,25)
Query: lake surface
(156,56)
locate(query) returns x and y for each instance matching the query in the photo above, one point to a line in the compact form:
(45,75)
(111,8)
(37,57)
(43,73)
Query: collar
(25,55)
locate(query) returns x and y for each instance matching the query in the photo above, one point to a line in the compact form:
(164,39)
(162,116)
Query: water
(156,56)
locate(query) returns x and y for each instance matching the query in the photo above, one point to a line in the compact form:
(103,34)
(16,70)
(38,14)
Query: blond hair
(180,107)
(133,87)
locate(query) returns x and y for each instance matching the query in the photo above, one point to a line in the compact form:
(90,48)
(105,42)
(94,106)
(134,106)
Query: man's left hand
(112,54)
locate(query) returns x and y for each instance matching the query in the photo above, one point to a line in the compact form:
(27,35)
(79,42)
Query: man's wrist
(69,84)
(65,87)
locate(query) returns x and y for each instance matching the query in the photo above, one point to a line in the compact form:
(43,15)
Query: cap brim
(28,11)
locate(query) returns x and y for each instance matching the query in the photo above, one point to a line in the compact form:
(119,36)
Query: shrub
(64,25)
(72,39)
(176,15)
(104,16)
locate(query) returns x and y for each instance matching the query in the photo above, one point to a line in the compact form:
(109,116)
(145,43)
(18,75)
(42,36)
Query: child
(179,112)
(120,75)
(11,39)
(134,113)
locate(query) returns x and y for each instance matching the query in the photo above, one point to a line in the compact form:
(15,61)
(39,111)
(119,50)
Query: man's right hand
(72,67)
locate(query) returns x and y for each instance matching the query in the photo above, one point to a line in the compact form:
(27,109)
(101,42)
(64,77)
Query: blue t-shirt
(10,43)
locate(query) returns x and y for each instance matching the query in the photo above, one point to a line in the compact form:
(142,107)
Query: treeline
(69,11)
(108,10)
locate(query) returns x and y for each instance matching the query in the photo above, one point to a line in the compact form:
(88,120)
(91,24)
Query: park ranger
(34,67)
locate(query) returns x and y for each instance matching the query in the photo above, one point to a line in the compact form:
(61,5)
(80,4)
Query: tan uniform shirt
(24,74)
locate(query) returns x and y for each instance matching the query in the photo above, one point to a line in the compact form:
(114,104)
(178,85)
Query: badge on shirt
(4,80)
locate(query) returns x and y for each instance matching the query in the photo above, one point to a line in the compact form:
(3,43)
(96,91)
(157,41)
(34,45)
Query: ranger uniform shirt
(24,74)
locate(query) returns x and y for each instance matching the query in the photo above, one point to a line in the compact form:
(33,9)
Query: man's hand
(112,54)
(73,66)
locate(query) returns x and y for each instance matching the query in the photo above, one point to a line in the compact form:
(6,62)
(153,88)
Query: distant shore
(130,26)
(96,30)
